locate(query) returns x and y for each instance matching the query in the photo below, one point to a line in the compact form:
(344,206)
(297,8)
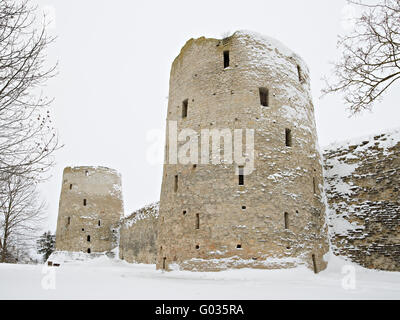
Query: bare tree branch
(370,61)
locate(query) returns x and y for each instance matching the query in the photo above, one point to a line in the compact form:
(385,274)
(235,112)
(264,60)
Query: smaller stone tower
(90,208)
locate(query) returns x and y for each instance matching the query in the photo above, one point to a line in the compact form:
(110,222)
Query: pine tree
(46,244)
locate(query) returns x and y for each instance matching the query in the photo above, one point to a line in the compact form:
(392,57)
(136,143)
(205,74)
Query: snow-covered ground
(104,278)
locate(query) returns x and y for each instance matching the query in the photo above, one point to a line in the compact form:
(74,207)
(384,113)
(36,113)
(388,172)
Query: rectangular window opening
(314,264)
(226,59)
(70,186)
(68,221)
(164,263)
(241,176)
(185,108)
(315,185)
(299,73)
(176,184)
(286,220)
(99,223)
(88,238)
(84,202)
(263,97)
(288,137)
(197,221)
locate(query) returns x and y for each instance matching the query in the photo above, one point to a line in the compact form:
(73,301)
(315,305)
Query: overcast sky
(114,63)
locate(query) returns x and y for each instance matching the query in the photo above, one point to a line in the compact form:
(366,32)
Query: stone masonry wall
(90,209)
(363,190)
(138,234)
(209,222)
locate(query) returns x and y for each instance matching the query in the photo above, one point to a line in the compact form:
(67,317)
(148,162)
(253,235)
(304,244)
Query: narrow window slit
(176,184)
(288,137)
(185,104)
(263,97)
(226,59)
(241,176)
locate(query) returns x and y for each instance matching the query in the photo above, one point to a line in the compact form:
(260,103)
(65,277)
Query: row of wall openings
(241,175)
(185,104)
(226,59)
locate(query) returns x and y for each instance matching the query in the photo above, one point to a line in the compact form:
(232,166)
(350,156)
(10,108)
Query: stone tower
(213,216)
(90,207)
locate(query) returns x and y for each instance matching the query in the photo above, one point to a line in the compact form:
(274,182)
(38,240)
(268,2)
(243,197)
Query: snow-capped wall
(362,181)
(138,234)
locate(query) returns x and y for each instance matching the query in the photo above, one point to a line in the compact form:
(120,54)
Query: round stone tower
(217,216)
(90,208)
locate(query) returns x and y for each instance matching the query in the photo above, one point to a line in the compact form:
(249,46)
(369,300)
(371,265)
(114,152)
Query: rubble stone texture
(138,235)
(210,222)
(90,209)
(363,190)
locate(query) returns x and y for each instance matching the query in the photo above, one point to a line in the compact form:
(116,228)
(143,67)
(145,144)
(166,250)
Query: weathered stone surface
(138,234)
(242,226)
(363,189)
(90,206)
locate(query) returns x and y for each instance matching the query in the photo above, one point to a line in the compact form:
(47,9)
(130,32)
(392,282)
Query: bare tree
(27,138)
(21,213)
(370,61)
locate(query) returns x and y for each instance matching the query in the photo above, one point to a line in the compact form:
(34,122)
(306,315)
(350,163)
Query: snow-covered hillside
(105,278)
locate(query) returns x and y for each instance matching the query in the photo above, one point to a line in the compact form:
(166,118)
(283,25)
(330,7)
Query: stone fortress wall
(138,235)
(90,209)
(276,218)
(362,180)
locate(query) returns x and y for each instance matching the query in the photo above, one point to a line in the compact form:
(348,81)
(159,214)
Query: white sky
(114,63)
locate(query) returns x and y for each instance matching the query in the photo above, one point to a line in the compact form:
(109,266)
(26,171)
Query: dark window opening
(314,264)
(164,263)
(184,212)
(185,108)
(226,59)
(83,229)
(88,238)
(197,221)
(288,137)
(68,221)
(239,246)
(84,202)
(299,73)
(286,220)
(263,96)
(88,250)
(194,166)
(197,247)
(244,207)
(99,223)
(176,184)
(315,185)
(70,186)
(241,176)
